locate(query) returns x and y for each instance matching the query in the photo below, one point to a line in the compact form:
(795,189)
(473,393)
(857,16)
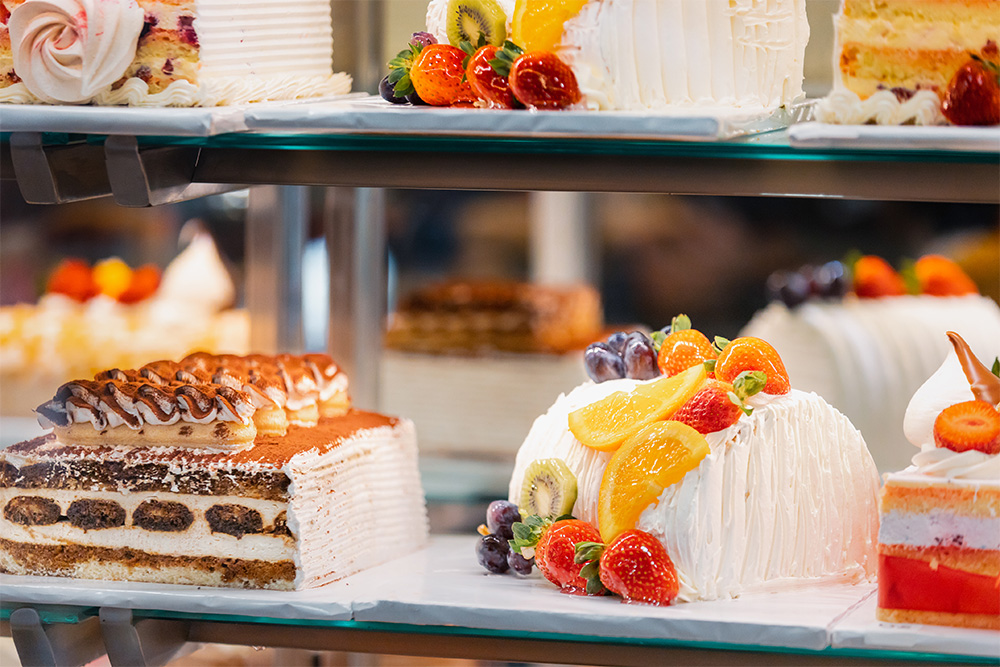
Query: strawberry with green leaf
(487,69)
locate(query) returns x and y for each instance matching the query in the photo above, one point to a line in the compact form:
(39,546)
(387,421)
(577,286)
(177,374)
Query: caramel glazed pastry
(217,470)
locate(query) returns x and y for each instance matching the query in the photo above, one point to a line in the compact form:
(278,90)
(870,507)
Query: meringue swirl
(67,51)
(971,464)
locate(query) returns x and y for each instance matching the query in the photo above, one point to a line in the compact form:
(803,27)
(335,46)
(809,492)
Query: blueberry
(415,99)
(491,552)
(603,363)
(385,89)
(640,359)
(500,516)
(829,281)
(617,340)
(789,287)
(519,563)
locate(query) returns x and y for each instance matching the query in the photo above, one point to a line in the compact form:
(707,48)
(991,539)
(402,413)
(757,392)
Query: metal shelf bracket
(61,644)
(57,174)
(146,643)
(151,176)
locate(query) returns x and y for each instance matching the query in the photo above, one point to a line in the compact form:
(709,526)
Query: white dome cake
(867,356)
(784,495)
(660,54)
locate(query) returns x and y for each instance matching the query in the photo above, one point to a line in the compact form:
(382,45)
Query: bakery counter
(439,602)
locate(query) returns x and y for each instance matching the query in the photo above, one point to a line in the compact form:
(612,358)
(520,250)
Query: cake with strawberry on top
(939,538)
(702,448)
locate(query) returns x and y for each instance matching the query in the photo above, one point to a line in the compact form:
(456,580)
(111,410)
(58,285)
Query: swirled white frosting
(785,494)
(946,387)
(66,51)
(844,107)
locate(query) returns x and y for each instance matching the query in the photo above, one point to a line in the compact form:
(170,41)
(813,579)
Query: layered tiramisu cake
(216,471)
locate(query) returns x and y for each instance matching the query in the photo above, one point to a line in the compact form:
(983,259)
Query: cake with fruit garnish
(658,55)
(112,315)
(864,336)
(924,62)
(741,479)
(939,539)
(152,53)
(248,472)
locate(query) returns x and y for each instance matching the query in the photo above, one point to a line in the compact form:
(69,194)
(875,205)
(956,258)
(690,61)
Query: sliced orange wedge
(606,424)
(537,25)
(647,463)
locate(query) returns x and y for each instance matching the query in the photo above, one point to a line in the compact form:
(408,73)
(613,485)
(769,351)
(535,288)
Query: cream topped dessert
(161,474)
(939,535)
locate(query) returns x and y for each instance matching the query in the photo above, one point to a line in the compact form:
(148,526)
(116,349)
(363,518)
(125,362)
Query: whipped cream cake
(665,54)
(939,537)
(868,356)
(216,471)
(785,495)
(154,53)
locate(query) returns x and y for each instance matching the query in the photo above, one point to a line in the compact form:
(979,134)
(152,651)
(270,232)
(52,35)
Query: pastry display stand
(152,170)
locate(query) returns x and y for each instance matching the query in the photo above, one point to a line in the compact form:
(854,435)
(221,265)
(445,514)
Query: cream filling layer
(197,540)
(757,510)
(962,30)
(356,506)
(939,529)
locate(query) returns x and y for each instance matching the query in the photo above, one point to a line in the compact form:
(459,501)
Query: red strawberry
(556,551)
(486,82)
(4,14)
(74,278)
(144,282)
(718,405)
(683,347)
(973,94)
(540,80)
(636,566)
(437,75)
(874,277)
(752,354)
(939,276)
(968,425)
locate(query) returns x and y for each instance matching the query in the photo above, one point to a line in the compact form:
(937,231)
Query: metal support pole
(355,236)
(59,644)
(277,226)
(561,242)
(148,643)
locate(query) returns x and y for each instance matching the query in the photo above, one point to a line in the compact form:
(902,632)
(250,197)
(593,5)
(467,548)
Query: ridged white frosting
(66,51)
(868,356)
(786,493)
(649,54)
(844,107)
(946,387)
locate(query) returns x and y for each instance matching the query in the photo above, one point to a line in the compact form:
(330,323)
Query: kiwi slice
(548,490)
(468,19)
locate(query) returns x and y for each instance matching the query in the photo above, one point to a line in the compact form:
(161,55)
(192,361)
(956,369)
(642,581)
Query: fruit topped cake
(939,539)
(177,53)
(923,62)
(249,472)
(865,336)
(654,55)
(692,464)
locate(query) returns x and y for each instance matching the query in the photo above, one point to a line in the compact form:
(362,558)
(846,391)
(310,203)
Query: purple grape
(491,552)
(415,99)
(789,287)
(386,90)
(519,563)
(423,39)
(829,281)
(638,335)
(640,360)
(603,363)
(617,340)
(500,516)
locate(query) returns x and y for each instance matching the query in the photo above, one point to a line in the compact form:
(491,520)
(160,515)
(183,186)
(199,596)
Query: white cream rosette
(67,51)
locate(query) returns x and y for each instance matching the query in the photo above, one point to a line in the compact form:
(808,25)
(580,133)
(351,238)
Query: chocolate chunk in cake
(235,520)
(95,514)
(32,511)
(162,516)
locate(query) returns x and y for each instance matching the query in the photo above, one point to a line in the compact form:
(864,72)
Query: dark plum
(519,563)
(491,552)
(617,340)
(500,516)
(385,89)
(640,359)
(603,363)
(829,281)
(789,287)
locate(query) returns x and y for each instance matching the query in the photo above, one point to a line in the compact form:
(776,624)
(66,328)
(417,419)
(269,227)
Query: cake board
(373,115)
(895,137)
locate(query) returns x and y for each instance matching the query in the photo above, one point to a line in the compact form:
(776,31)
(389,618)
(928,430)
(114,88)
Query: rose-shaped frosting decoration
(66,51)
